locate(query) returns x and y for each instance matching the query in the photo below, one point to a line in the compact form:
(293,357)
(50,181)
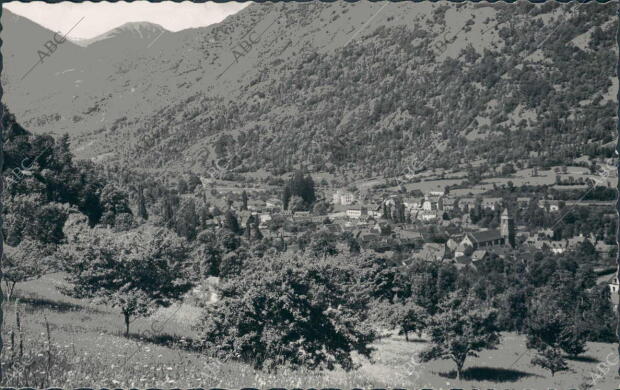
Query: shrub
(549,325)
(287,311)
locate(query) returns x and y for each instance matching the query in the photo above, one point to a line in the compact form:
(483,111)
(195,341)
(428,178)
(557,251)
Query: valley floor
(100,356)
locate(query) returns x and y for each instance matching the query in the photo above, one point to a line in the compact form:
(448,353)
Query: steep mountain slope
(102,94)
(29,63)
(363,87)
(20,54)
(401,94)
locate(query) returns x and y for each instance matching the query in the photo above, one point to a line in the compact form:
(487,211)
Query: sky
(104,16)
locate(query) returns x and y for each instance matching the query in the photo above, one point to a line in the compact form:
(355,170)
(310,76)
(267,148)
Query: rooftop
(485,235)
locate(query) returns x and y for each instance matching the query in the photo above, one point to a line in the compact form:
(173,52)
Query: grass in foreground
(88,349)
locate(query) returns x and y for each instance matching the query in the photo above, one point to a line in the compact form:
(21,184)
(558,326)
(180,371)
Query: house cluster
(427,208)
(542,240)
(434,204)
(476,245)
(440,242)
(419,225)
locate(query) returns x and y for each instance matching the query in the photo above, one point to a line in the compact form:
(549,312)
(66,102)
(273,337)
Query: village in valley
(455,223)
(409,195)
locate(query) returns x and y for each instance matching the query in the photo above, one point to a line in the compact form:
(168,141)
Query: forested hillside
(385,99)
(470,81)
(44,185)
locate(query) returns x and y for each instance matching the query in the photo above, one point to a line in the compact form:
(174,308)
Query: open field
(91,335)
(521,177)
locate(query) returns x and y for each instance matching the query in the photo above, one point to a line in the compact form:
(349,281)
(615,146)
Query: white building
(491,203)
(413,203)
(356,212)
(613,288)
(613,285)
(557,247)
(551,205)
(427,215)
(273,203)
(344,198)
(432,202)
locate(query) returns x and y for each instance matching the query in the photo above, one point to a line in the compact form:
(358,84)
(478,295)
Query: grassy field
(519,178)
(97,354)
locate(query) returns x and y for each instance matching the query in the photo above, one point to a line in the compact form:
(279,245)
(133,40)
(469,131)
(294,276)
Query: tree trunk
(618,187)
(126,324)
(459,370)
(9,293)
(406,336)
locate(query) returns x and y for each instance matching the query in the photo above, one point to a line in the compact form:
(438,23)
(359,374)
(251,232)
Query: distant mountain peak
(130,30)
(140,27)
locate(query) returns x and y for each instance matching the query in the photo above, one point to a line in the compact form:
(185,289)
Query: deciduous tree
(287,311)
(410,318)
(22,263)
(550,358)
(462,327)
(323,244)
(136,272)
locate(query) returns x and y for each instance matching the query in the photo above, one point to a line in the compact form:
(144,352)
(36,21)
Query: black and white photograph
(325,195)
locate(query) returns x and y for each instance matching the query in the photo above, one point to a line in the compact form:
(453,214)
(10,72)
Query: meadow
(76,343)
(519,178)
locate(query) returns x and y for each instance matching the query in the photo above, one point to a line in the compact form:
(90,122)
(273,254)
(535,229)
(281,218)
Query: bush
(286,311)
(549,325)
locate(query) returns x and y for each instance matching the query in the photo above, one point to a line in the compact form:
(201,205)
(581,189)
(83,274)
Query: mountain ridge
(144,30)
(199,95)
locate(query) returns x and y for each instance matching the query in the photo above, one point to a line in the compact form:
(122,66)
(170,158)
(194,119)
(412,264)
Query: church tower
(508,228)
